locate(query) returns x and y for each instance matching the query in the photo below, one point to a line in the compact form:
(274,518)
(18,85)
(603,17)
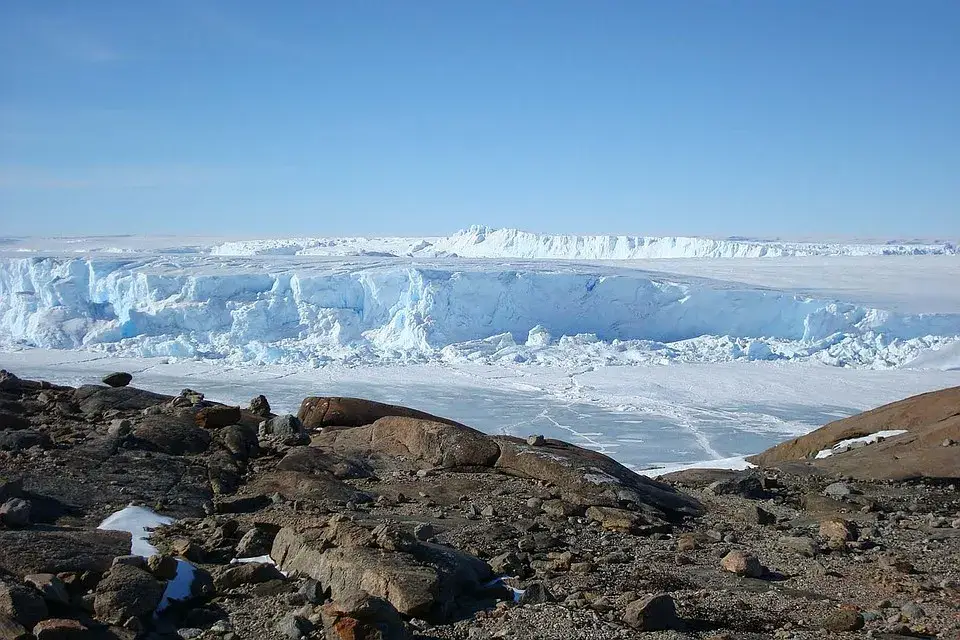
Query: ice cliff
(251,310)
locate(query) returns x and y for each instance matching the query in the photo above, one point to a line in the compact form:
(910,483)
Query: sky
(242,117)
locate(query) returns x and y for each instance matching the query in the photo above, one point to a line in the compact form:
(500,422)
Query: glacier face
(315,311)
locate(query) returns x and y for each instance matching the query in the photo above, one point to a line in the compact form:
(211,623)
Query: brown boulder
(60,629)
(425,443)
(742,563)
(246,573)
(326,412)
(218,416)
(127,592)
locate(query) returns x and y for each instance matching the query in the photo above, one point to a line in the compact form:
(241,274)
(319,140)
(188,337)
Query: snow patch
(736,463)
(853,443)
(139,522)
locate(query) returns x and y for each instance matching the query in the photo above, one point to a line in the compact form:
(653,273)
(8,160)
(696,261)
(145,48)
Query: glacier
(372,309)
(482,242)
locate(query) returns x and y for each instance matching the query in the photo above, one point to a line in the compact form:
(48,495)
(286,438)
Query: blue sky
(670,117)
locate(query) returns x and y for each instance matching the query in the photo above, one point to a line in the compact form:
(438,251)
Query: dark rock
(535,440)
(50,587)
(312,591)
(173,435)
(424,531)
(260,407)
(218,416)
(117,379)
(746,484)
(10,488)
(654,613)
(246,573)
(15,513)
(21,604)
(758,515)
(23,439)
(60,551)
(294,627)
(9,383)
(224,473)
(12,630)
(127,592)
(94,399)
(12,422)
(536,593)
(845,619)
(60,629)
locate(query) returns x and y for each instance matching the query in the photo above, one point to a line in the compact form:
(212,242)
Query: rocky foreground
(364,521)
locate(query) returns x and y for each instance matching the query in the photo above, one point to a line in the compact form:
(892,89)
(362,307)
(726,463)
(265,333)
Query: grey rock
(654,613)
(802,545)
(22,604)
(260,406)
(536,593)
(50,587)
(256,542)
(424,531)
(117,379)
(286,428)
(15,513)
(294,627)
(535,440)
(838,490)
(23,439)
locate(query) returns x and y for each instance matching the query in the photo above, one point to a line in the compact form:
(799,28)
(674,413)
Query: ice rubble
(251,310)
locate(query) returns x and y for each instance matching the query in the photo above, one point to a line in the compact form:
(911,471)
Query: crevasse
(246,310)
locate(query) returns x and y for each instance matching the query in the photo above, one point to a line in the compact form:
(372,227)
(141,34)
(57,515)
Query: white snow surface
(318,310)
(139,522)
(846,445)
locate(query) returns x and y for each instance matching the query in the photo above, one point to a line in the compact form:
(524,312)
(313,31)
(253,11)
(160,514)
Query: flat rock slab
(41,551)
(591,479)
(423,582)
(95,398)
(328,412)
